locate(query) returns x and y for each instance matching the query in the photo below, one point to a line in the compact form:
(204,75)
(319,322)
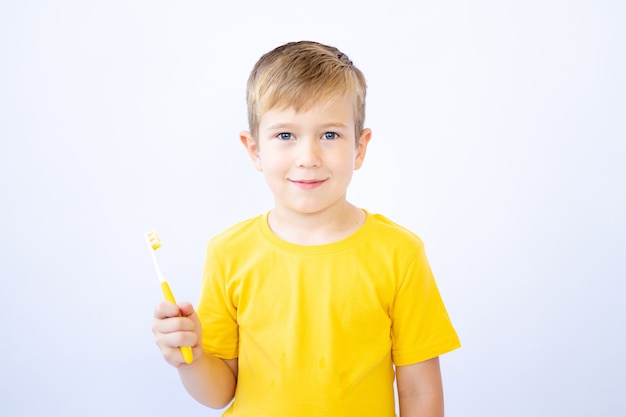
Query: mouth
(308,184)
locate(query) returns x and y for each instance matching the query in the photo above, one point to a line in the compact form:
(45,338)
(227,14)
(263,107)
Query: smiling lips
(307,184)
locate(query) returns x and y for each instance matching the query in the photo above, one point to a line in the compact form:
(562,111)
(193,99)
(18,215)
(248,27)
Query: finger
(186,309)
(176,339)
(165,309)
(173,324)
(173,356)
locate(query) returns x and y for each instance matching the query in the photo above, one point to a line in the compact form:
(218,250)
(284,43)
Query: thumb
(186,309)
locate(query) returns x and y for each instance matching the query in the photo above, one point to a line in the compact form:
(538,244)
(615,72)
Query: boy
(306,309)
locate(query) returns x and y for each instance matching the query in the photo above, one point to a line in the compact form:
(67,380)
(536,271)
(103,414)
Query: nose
(308,154)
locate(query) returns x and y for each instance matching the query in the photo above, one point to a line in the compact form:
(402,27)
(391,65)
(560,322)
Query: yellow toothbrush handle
(187,354)
(167,293)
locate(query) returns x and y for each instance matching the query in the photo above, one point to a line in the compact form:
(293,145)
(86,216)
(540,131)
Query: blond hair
(300,75)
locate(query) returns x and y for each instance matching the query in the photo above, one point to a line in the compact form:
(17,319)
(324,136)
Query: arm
(420,391)
(208,379)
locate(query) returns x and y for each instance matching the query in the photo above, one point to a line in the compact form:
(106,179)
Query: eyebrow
(280,126)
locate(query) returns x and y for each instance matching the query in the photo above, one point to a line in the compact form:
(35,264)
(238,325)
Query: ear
(248,142)
(364,140)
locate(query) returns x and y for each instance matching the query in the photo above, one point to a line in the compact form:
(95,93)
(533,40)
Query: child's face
(308,157)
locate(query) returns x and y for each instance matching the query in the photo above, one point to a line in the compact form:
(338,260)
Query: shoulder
(394,244)
(241,233)
(392,232)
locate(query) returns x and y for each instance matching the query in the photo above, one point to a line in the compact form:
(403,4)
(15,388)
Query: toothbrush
(154,243)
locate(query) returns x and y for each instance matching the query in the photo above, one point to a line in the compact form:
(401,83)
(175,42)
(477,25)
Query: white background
(499,137)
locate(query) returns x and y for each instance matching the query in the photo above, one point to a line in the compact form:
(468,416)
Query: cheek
(344,162)
(272,164)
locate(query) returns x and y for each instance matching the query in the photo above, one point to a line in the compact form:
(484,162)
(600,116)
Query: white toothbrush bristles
(154,243)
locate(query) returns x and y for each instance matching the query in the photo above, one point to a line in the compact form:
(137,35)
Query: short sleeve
(421,328)
(218,315)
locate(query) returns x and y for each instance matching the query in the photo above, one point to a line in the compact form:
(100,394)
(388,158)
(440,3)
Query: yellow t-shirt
(316,329)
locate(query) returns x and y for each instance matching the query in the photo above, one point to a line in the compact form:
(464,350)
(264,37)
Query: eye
(284,136)
(330,135)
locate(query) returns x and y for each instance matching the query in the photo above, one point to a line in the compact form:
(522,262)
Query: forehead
(336,112)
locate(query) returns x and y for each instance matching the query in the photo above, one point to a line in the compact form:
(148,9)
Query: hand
(175,326)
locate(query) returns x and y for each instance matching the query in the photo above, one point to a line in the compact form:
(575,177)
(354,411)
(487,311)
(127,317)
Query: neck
(316,228)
